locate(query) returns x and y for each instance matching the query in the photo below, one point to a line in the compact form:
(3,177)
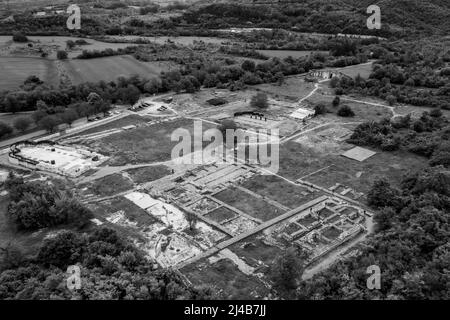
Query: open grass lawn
(297,161)
(253,250)
(147,174)
(144,144)
(14,71)
(221,214)
(108,185)
(110,68)
(293,87)
(277,189)
(249,204)
(131,211)
(226,276)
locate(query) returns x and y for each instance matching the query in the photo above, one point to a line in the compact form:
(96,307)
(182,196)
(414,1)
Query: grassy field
(221,214)
(131,211)
(277,189)
(288,53)
(14,70)
(147,174)
(297,161)
(249,204)
(364,70)
(363,112)
(144,144)
(110,68)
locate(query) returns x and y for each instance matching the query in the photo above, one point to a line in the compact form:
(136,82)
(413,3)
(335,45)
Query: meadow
(110,68)
(14,70)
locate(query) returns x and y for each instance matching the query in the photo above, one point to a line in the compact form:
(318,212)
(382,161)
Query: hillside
(400,17)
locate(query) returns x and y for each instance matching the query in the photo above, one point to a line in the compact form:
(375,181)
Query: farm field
(110,68)
(14,70)
(288,53)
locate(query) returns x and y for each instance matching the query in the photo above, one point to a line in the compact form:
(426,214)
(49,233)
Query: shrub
(336,101)
(61,54)
(19,37)
(217,101)
(259,101)
(345,111)
(391,100)
(436,113)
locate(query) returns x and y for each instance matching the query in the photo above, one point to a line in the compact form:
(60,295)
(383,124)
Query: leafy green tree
(69,116)
(259,101)
(22,123)
(319,109)
(345,111)
(19,37)
(5,129)
(49,123)
(383,195)
(336,101)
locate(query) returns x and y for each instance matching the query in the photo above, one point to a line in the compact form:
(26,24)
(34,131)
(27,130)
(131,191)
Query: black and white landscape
(225,150)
